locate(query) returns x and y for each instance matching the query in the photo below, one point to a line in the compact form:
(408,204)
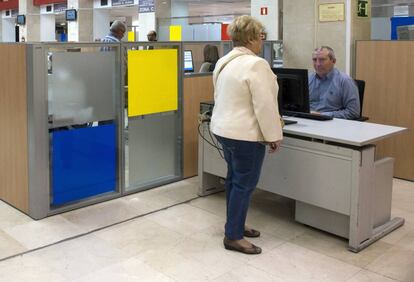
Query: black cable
(212,144)
(219,149)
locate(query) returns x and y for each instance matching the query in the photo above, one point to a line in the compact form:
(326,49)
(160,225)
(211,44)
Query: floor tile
(247,274)
(336,247)
(10,216)
(76,258)
(130,270)
(294,263)
(368,276)
(28,268)
(185,219)
(9,246)
(396,263)
(407,241)
(42,232)
(100,215)
(139,235)
(403,195)
(215,203)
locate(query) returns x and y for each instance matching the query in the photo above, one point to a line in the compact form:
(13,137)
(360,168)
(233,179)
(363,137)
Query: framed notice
(332,12)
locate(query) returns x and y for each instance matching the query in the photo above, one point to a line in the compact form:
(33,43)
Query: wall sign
(363,8)
(401,11)
(332,12)
(60,7)
(146,6)
(122,2)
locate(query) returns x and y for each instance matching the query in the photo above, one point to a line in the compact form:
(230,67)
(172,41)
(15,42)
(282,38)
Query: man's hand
(315,112)
(274,146)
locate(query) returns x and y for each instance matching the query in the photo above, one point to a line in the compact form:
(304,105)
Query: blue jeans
(244,162)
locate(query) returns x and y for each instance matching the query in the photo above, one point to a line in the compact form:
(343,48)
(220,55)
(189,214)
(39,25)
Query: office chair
(361,88)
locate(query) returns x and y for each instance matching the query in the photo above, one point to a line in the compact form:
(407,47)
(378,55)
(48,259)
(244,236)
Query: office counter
(329,169)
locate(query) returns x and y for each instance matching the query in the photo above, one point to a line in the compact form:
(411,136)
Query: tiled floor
(184,242)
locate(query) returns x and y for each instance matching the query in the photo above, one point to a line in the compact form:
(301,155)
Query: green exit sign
(363,8)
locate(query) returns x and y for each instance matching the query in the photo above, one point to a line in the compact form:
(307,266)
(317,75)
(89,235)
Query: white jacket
(245,98)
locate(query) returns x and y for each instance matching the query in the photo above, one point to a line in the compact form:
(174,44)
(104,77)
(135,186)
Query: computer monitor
(293,93)
(21,19)
(71,15)
(188,61)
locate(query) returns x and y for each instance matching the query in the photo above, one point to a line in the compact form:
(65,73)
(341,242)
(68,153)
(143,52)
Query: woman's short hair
(245,29)
(211,54)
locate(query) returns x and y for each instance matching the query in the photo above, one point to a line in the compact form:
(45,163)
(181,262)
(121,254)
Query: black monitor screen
(71,15)
(293,90)
(21,19)
(188,61)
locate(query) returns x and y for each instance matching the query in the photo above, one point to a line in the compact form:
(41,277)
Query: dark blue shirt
(335,95)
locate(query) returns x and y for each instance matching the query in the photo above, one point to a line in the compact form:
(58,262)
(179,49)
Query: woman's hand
(274,146)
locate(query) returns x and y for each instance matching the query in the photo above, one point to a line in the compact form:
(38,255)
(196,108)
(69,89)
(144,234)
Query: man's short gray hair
(117,26)
(331,53)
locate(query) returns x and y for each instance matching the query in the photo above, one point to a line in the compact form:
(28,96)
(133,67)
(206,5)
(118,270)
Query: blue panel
(83,163)
(398,21)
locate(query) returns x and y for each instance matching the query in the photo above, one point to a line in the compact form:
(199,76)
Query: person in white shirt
(245,119)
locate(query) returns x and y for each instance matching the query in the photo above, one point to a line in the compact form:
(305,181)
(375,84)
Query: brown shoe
(251,233)
(233,246)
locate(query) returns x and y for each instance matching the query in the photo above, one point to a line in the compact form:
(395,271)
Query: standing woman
(245,119)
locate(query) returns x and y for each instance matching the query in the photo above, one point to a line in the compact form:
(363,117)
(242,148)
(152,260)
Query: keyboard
(307,115)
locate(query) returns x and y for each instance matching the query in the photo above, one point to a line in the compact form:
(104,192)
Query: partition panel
(153,149)
(81,87)
(83,163)
(83,95)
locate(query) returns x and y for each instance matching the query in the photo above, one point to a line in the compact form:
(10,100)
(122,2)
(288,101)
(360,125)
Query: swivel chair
(361,88)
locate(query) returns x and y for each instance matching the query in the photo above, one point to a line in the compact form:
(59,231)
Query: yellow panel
(175,32)
(131,36)
(152,81)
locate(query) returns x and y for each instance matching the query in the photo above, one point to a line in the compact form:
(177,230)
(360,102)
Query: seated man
(331,92)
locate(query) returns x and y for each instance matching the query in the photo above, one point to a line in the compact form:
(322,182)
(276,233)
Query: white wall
(147,22)
(101,21)
(47,27)
(8,30)
(271,20)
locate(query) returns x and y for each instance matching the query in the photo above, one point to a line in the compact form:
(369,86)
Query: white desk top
(342,131)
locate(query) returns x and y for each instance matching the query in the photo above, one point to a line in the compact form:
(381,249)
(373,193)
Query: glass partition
(272,52)
(83,87)
(198,58)
(152,125)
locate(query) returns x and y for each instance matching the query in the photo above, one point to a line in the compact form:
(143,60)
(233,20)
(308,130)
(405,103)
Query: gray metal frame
(38,133)
(179,168)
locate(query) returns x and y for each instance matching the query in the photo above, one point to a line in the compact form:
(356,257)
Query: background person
(152,36)
(211,56)
(245,118)
(332,92)
(116,32)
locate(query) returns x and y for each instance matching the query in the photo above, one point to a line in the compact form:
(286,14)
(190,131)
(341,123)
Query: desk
(329,169)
